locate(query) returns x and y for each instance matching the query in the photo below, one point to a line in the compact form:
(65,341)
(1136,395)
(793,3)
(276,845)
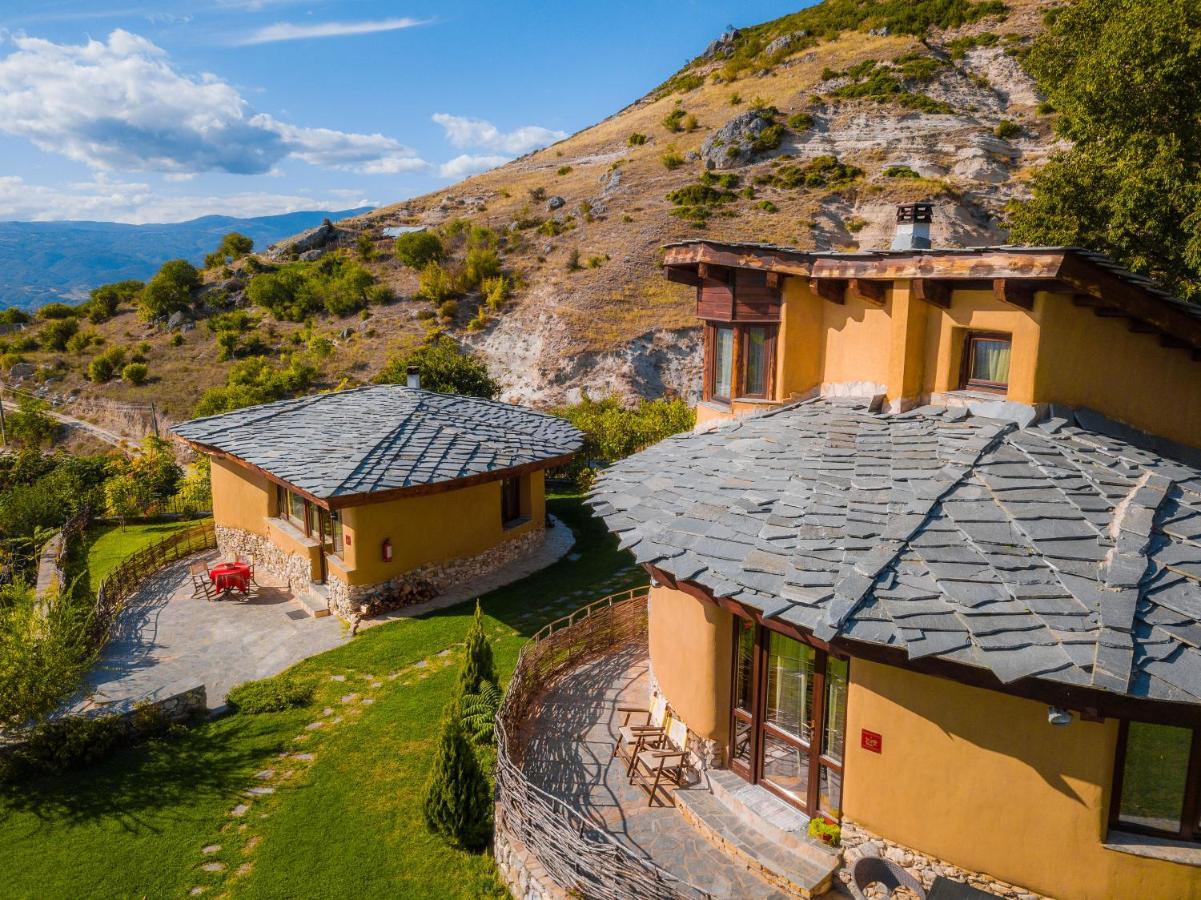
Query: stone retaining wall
(523,875)
(292,569)
(858,841)
(425,582)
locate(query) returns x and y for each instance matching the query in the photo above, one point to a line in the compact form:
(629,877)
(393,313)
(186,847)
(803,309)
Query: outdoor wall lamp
(1057,715)
(386,550)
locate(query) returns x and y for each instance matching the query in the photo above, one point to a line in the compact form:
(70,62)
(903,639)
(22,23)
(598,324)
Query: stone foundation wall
(425,582)
(292,569)
(858,841)
(523,875)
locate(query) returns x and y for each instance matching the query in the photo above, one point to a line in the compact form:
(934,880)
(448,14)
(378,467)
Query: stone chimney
(913,226)
(414,379)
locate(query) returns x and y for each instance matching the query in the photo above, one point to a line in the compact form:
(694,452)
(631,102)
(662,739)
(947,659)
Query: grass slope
(105,547)
(348,824)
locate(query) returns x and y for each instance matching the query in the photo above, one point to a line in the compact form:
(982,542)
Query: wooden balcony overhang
(1013,274)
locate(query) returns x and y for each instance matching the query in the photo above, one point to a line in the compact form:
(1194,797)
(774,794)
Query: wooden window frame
(812,750)
(1190,813)
(966,383)
(738,362)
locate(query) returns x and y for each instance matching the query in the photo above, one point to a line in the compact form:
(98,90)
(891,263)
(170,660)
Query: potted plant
(828,833)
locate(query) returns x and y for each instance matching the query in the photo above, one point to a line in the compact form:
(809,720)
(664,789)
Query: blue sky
(116,110)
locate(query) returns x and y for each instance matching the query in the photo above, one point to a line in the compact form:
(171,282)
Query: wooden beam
(1013,292)
(1108,312)
(1085,301)
(832,289)
(1137,327)
(682,275)
(868,291)
(1038,265)
(775,280)
(936,293)
(737,257)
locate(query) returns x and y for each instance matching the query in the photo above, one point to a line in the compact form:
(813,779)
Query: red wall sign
(869,740)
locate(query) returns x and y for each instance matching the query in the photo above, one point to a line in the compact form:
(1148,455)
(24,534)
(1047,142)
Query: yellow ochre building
(930,565)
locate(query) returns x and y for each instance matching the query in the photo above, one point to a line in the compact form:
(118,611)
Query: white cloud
(466,132)
(121,105)
(291,31)
(138,202)
(466,164)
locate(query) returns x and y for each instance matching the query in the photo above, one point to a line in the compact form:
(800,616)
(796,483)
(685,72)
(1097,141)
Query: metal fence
(581,857)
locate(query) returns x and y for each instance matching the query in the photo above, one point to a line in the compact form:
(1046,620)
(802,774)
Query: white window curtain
(723,362)
(990,361)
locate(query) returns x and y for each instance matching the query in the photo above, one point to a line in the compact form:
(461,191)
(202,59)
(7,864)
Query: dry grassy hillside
(951,117)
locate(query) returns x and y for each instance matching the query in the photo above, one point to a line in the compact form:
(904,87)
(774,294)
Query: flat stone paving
(569,752)
(166,641)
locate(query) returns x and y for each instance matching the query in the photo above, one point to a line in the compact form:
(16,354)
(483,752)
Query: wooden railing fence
(136,568)
(578,853)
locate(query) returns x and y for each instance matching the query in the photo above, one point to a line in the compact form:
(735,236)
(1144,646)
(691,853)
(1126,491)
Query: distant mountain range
(41,262)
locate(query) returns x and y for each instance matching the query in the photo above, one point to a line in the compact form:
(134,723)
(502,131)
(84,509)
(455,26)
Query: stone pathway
(228,855)
(569,754)
(559,539)
(166,641)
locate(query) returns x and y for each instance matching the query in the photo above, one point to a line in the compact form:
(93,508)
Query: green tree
(55,334)
(107,299)
(252,381)
(417,248)
(104,366)
(127,496)
(458,799)
(170,290)
(479,666)
(32,425)
(232,247)
(444,367)
(1126,79)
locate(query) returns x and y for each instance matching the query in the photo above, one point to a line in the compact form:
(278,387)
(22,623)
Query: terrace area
(568,817)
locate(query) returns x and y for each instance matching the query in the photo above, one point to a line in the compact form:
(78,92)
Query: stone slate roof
(383,437)
(1050,551)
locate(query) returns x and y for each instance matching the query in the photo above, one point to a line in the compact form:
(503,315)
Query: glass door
(788,718)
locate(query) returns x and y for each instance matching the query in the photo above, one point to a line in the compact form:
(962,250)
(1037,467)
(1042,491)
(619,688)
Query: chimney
(913,226)
(414,380)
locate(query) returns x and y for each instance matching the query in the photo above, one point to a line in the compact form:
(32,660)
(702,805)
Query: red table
(231,576)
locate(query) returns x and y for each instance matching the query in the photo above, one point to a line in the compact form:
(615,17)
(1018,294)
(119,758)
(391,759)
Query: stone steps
(767,841)
(314,601)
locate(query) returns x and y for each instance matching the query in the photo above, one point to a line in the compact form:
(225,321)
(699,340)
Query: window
(296,512)
(723,363)
(986,362)
(510,501)
(1158,781)
(741,360)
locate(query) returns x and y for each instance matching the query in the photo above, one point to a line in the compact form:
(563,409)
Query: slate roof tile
(952,536)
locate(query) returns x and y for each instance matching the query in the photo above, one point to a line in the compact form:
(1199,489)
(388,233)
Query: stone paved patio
(569,754)
(166,641)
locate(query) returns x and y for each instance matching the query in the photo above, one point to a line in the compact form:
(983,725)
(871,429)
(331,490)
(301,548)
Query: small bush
(416,249)
(55,334)
(555,227)
(674,120)
(177,340)
(102,368)
(636,139)
(448,309)
(136,373)
(800,121)
(436,284)
(900,172)
(273,694)
(58,311)
(671,158)
(690,123)
(1006,129)
(768,206)
(563,170)
(1045,108)
(854,224)
(573,260)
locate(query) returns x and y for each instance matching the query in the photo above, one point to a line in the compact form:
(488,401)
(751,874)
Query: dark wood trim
(965,362)
(875,292)
(416,490)
(1190,820)
(1015,293)
(736,256)
(936,293)
(682,275)
(1097,702)
(832,289)
(953,265)
(1119,775)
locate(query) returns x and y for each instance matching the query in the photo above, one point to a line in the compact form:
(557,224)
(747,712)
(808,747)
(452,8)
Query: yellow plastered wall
(981,780)
(433,528)
(690,656)
(1099,363)
(856,339)
(800,344)
(241,498)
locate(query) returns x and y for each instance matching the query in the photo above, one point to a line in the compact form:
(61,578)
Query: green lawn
(346,824)
(106,546)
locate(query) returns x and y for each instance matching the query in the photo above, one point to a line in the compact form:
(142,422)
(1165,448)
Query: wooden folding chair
(662,765)
(201,586)
(634,737)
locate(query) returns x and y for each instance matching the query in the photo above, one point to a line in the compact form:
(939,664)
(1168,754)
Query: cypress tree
(479,666)
(458,798)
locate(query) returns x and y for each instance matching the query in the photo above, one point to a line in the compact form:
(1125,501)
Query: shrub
(801,121)
(695,202)
(458,800)
(448,309)
(253,381)
(80,341)
(480,263)
(854,224)
(959,46)
(563,170)
(673,121)
(821,171)
(55,334)
(416,249)
(496,291)
(1006,129)
(636,139)
(365,246)
(768,206)
(573,259)
(273,694)
(555,227)
(690,123)
(136,373)
(613,431)
(170,290)
(176,340)
(436,283)
(380,295)
(102,368)
(31,425)
(768,139)
(58,311)
(14,316)
(232,247)
(671,158)
(900,172)
(445,368)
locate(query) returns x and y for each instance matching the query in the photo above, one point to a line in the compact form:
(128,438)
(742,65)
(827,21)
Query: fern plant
(479,712)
